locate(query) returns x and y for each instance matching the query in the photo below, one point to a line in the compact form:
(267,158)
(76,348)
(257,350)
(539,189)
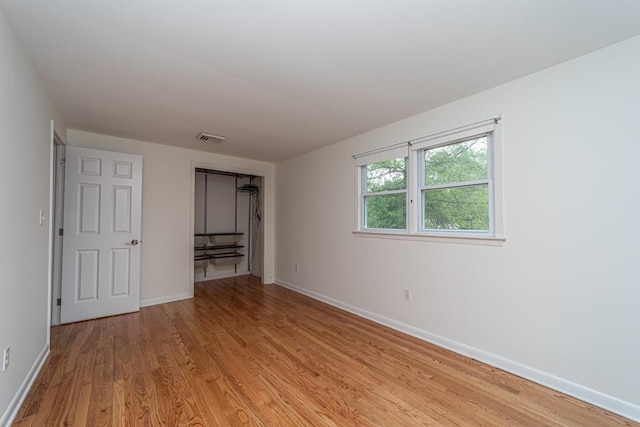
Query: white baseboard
(610,403)
(163,300)
(199,277)
(11,412)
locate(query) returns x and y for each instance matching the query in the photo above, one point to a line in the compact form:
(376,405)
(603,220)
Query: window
(383,189)
(454,192)
(385,195)
(443,185)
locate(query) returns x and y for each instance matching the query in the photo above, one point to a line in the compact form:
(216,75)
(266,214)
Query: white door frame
(55,216)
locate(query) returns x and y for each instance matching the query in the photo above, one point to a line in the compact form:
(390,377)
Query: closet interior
(227,225)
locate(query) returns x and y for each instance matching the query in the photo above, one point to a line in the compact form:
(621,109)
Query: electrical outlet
(296,267)
(5,358)
(406,294)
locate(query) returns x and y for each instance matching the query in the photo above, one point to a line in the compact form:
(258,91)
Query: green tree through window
(385,201)
(456,190)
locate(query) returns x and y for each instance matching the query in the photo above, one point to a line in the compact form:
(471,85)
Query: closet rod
(212,172)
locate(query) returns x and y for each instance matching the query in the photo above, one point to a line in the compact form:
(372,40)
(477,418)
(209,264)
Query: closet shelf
(217,234)
(217,256)
(217,239)
(226,255)
(217,247)
(223,258)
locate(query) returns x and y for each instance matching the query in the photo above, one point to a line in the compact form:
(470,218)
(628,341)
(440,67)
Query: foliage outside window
(385,195)
(455,186)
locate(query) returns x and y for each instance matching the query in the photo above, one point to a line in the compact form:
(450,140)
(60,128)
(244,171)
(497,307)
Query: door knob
(134,242)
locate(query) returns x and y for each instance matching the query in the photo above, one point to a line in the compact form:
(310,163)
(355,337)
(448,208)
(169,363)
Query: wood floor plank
(245,354)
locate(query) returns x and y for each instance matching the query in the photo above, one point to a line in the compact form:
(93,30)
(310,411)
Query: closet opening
(228,229)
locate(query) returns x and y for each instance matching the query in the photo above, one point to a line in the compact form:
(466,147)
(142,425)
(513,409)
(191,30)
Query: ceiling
(282,77)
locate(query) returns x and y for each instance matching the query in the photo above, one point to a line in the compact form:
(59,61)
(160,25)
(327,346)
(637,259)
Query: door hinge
(63,162)
(59,301)
(61,232)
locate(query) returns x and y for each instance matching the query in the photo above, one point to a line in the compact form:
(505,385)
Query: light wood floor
(242,353)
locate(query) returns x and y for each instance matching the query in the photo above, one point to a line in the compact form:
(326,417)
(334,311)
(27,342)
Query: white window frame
(487,181)
(415,184)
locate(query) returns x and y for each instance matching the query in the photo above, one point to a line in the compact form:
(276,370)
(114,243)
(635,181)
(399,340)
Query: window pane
(387,211)
(459,162)
(387,175)
(458,208)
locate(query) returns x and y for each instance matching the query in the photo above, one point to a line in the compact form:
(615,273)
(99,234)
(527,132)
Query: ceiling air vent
(208,137)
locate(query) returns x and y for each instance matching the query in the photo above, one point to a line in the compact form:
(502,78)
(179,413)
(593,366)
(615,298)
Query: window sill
(465,240)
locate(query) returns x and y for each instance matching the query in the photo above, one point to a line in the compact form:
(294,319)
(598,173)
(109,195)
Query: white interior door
(101,250)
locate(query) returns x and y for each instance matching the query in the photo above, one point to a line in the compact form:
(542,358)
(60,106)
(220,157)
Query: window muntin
(384,195)
(455,187)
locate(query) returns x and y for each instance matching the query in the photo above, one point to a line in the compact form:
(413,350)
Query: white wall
(25,137)
(559,301)
(167,211)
